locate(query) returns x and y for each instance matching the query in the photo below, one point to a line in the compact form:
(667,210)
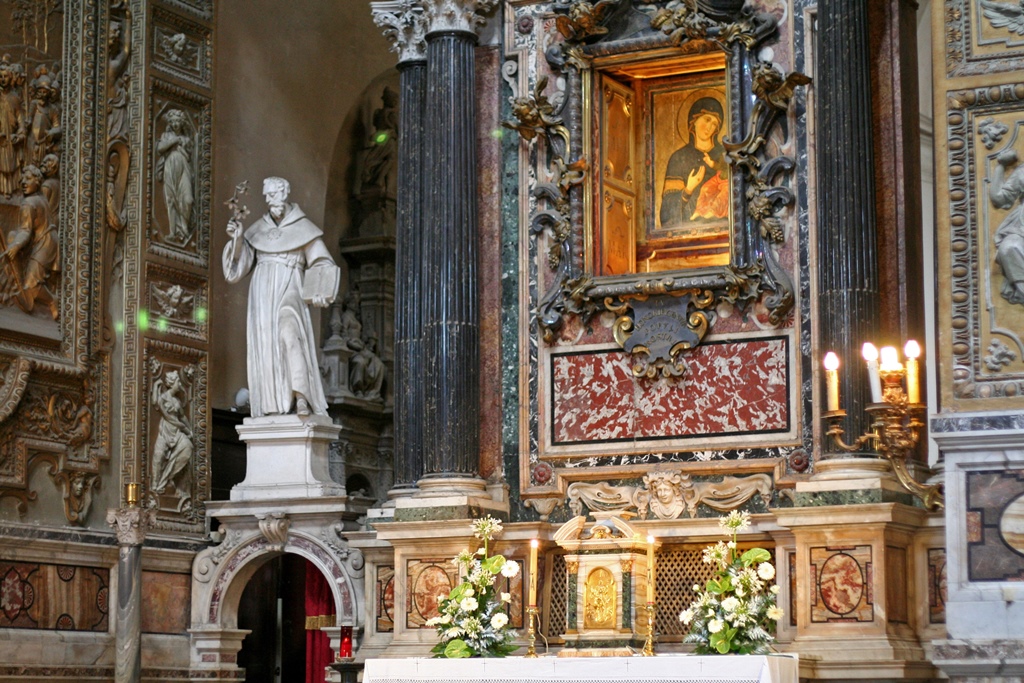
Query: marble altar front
(664,669)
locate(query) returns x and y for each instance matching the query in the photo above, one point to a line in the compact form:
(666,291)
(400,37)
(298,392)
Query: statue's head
(175,120)
(173,379)
(275,191)
(50,165)
(31,179)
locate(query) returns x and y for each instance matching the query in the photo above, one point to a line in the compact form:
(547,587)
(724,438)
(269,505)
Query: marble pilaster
(848,278)
(130,525)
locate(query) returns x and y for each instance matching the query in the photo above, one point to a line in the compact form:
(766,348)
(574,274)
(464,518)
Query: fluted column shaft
(847,265)
(409,396)
(450,323)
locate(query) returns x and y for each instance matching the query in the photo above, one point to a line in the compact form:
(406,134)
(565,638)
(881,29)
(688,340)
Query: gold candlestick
(531,634)
(649,643)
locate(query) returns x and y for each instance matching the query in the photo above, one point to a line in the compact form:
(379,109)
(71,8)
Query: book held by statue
(322,281)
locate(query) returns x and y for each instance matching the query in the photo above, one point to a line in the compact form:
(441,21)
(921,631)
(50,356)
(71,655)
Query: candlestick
(871,356)
(650,570)
(832,380)
(131,494)
(531,634)
(913,351)
(534,544)
(890,360)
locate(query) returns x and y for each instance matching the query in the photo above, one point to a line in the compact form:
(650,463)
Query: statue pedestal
(286,457)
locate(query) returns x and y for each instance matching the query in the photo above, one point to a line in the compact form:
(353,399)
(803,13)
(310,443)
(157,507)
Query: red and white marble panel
(731,388)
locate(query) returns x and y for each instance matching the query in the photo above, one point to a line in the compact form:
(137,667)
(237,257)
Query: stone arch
(220,574)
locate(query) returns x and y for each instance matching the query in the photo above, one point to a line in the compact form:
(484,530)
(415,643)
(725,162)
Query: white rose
(730,604)
(509,569)
(775,589)
(469,593)
(686,616)
(499,620)
(715,625)
(506,597)
(468,604)
(766,571)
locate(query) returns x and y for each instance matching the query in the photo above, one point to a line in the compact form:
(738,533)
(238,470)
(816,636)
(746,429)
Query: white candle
(534,544)
(890,359)
(832,380)
(913,352)
(871,356)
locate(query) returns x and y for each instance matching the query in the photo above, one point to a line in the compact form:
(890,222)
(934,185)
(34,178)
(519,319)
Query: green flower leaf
(457,649)
(755,555)
(494,563)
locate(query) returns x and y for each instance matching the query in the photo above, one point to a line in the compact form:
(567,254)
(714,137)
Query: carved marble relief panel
(182,48)
(983,36)
(983,257)
(174,465)
(179,172)
(176,302)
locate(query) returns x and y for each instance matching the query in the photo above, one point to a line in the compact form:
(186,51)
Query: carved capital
(456,15)
(131,524)
(405,25)
(274,527)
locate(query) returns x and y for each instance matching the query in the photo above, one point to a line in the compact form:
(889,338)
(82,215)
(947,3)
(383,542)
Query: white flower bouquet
(472,621)
(736,613)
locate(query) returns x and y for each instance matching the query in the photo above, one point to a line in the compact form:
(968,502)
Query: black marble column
(450,324)
(409,386)
(848,296)
(131,525)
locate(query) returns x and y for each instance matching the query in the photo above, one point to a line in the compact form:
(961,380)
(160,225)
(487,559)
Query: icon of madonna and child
(695,190)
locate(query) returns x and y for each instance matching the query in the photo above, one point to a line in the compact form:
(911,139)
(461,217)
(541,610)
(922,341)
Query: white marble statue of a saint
(282,355)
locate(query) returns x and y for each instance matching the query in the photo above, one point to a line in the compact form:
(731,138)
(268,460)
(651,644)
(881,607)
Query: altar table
(657,669)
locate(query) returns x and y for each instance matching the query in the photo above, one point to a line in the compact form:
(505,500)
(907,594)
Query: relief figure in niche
(31,249)
(367,374)
(377,190)
(291,266)
(696,183)
(12,127)
(50,167)
(44,130)
(172,451)
(174,170)
(1009,239)
(119,48)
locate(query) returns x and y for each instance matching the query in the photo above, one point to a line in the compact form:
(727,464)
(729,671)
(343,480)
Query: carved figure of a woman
(174,170)
(1009,238)
(172,451)
(696,184)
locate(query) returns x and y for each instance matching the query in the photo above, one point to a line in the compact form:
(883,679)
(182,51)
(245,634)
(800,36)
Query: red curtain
(319,613)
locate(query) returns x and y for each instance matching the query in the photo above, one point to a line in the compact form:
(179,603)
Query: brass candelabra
(895,429)
(531,633)
(648,650)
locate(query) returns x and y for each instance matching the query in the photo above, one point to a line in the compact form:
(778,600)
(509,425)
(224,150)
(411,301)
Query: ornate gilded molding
(15,379)
(456,15)
(754,273)
(405,25)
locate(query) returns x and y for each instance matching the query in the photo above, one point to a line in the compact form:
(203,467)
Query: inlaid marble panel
(731,388)
(53,596)
(995,513)
(427,578)
(385,592)
(937,585)
(842,584)
(167,599)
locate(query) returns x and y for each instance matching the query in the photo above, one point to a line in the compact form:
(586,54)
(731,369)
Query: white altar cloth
(660,669)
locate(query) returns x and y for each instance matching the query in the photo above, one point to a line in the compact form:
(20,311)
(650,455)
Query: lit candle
(650,570)
(890,359)
(832,380)
(871,356)
(913,352)
(534,544)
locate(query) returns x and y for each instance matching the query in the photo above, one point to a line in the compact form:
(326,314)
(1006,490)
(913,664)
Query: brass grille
(554,620)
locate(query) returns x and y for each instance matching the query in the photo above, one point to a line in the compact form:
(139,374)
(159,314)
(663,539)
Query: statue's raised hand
(1008,157)
(234,229)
